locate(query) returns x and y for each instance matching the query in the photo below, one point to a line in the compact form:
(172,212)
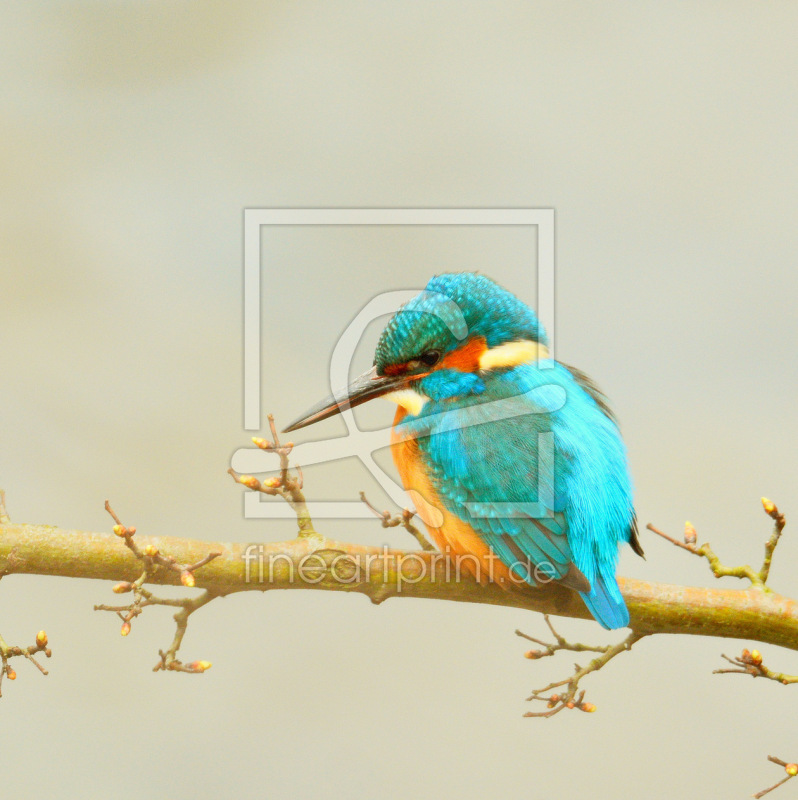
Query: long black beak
(368,386)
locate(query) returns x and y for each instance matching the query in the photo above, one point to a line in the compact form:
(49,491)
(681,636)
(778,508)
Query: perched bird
(513,460)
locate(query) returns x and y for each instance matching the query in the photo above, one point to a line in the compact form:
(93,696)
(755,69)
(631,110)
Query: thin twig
(286,485)
(4,518)
(152,559)
(770,545)
(403,519)
(758,578)
(168,659)
(572,698)
(8,651)
(790,769)
(750,663)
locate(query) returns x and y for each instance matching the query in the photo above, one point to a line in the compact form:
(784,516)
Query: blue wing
(536,466)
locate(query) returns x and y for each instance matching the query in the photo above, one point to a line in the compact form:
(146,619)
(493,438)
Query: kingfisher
(513,460)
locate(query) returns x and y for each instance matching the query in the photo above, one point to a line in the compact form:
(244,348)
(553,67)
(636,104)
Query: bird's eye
(430,358)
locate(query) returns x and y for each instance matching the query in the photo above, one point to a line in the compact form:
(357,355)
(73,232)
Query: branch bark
(314,562)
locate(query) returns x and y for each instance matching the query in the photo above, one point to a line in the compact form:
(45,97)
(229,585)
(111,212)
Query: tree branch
(314,562)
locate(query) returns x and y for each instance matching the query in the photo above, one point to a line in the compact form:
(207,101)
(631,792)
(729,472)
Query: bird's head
(441,344)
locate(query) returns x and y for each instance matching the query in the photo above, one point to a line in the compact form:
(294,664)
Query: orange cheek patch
(465,358)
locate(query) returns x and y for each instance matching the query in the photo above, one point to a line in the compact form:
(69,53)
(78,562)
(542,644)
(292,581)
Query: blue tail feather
(606,604)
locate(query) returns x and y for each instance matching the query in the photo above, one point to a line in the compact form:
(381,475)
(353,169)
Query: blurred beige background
(133,135)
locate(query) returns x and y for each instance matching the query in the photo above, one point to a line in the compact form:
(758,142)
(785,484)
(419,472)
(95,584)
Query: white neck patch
(512,354)
(411,400)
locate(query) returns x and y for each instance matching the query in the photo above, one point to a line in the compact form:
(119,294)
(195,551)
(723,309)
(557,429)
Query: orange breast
(453,536)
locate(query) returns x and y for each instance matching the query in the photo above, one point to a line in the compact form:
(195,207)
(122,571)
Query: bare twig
(168,660)
(11,651)
(572,697)
(560,644)
(7,651)
(770,545)
(403,519)
(153,560)
(750,663)
(4,518)
(758,577)
(790,769)
(287,486)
